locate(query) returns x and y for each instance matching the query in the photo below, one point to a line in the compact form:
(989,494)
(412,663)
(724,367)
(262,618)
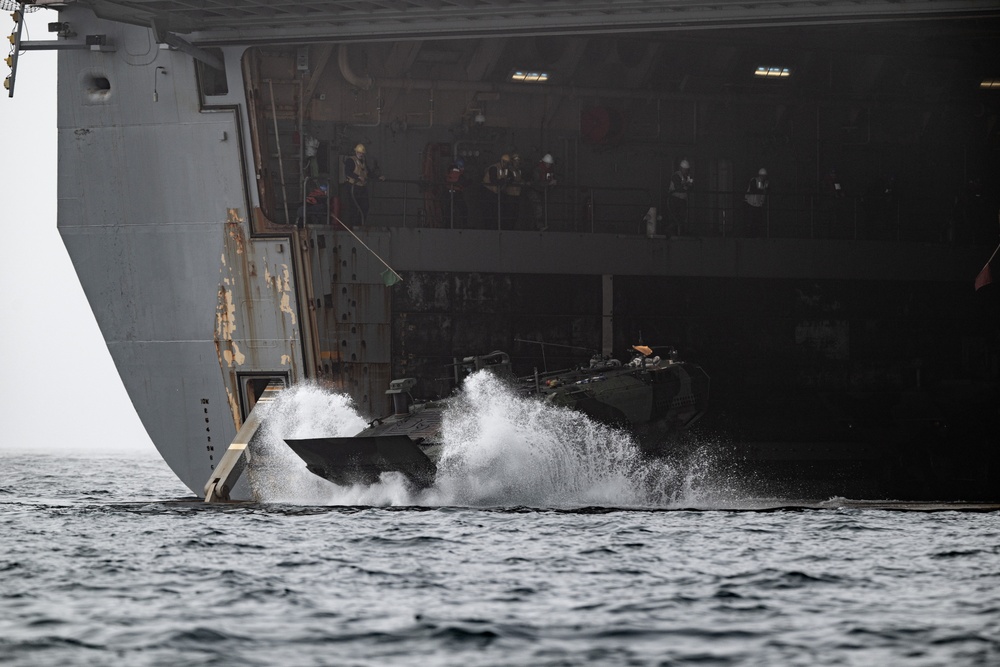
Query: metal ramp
(234,461)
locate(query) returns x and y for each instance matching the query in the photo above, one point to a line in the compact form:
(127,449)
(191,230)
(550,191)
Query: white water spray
(306,410)
(500,449)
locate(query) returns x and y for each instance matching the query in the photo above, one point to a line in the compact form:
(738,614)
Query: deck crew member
(358,175)
(511,209)
(315,206)
(543,180)
(756,200)
(677,197)
(495,180)
(456,211)
(831,206)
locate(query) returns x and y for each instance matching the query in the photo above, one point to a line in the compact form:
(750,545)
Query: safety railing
(719,213)
(810,215)
(398,203)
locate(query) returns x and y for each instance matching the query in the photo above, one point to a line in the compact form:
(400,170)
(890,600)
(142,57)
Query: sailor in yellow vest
(498,203)
(542,182)
(516,180)
(358,175)
(677,198)
(513,191)
(756,199)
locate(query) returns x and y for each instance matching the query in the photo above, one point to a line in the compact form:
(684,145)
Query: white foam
(500,449)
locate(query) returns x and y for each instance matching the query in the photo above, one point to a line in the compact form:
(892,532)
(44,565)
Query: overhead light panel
(772,72)
(990,84)
(526,76)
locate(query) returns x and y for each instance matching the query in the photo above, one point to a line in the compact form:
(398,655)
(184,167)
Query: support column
(607,314)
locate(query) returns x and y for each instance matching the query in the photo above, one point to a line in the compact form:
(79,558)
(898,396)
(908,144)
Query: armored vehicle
(651,396)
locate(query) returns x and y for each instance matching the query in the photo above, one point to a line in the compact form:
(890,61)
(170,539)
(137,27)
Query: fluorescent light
(528,76)
(990,84)
(772,72)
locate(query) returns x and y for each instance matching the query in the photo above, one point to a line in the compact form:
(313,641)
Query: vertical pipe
(767,217)
(819,175)
(812,216)
(302,143)
(545,207)
(855,218)
(694,123)
(590,211)
(607,314)
(277,144)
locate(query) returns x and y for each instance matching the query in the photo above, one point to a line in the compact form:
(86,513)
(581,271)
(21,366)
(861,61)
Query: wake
(500,450)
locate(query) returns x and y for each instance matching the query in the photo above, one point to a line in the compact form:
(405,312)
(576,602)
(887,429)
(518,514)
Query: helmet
(360,148)
(460,163)
(324,187)
(685,164)
(762,172)
(547,159)
(515,157)
(505,158)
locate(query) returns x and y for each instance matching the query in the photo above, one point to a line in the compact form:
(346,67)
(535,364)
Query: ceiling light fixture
(526,76)
(772,72)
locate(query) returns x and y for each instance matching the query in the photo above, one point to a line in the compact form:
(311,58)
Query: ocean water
(544,542)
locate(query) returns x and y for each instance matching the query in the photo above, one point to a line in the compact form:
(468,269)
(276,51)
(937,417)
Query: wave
(500,450)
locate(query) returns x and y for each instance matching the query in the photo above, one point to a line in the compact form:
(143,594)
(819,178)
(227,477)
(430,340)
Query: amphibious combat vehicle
(651,396)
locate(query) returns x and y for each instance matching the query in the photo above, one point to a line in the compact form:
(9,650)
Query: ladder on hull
(234,461)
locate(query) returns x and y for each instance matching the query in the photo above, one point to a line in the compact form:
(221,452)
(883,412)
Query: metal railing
(401,203)
(719,213)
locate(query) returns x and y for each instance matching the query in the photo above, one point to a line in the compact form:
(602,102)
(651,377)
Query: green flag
(390,277)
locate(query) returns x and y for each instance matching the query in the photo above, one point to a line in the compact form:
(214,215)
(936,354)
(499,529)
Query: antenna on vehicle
(545,368)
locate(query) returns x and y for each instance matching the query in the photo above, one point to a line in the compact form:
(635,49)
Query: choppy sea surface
(109,560)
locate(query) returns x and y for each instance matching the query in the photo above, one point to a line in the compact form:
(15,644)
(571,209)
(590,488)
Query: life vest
(679,184)
(494,175)
(453,179)
(756,192)
(359,176)
(513,187)
(316,195)
(546,173)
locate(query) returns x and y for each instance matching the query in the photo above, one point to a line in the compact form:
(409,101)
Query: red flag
(985,277)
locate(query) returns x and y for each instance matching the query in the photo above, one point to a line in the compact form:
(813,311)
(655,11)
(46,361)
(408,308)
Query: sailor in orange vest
(358,175)
(315,207)
(456,211)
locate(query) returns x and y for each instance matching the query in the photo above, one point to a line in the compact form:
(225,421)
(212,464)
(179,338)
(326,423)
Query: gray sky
(61,389)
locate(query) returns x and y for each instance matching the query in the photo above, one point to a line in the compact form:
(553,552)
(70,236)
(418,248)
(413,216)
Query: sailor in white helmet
(677,197)
(358,175)
(756,199)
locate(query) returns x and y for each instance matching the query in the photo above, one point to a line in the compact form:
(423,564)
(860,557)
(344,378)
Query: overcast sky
(61,389)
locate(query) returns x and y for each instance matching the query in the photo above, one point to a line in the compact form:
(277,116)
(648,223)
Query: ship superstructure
(191,137)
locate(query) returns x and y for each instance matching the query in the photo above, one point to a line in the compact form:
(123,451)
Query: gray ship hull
(183,163)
